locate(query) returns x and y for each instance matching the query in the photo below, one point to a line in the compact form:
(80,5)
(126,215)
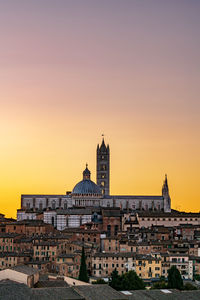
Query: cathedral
(88,195)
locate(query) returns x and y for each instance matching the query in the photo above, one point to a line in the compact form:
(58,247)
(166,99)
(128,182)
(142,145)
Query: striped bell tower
(103,167)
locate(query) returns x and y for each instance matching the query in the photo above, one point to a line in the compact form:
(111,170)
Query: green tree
(115,281)
(83,274)
(131,281)
(174,279)
(189,286)
(127,281)
(99,281)
(197,277)
(159,285)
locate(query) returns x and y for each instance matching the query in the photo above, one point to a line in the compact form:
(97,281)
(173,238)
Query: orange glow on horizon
(72,71)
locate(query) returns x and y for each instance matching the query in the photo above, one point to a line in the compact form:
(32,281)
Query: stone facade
(87,194)
(103,168)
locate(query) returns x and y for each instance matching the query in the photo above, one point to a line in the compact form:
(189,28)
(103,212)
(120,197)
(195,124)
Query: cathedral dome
(86,186)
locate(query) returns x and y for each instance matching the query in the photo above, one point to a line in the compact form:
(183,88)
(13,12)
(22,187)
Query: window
(109,230)
(116,229)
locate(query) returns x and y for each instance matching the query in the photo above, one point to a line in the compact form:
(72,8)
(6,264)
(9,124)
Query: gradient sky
(72,70)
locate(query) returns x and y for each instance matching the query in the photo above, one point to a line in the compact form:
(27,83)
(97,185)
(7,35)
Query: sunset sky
(72,70)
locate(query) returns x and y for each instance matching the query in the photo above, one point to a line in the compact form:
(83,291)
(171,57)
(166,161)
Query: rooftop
(25,269)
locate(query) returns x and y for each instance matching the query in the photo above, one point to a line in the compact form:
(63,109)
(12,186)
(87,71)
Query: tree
(189,286)
(174,278)
(127,281)
(83,274)
(99,281)
(159,285)
(115,281)
(197,277)
(131,281)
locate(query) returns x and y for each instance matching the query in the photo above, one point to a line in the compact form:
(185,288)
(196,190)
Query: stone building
(86,194)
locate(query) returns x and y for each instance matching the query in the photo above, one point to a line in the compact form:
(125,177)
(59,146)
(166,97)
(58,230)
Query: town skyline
(73,71)
(93,177)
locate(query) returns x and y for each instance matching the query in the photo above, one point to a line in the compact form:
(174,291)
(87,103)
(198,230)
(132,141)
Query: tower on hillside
(103,168)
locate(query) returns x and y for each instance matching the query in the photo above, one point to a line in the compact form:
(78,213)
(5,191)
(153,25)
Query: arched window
(65,205)
(40,206)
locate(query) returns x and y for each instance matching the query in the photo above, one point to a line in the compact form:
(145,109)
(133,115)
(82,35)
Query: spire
(86,173)
(165,188)
(166,196)
(166,182)
(103,145)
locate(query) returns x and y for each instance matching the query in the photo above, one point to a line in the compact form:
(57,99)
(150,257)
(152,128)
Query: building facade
(88,194)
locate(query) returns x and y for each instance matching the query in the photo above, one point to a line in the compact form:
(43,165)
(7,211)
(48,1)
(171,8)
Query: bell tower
(103,168)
